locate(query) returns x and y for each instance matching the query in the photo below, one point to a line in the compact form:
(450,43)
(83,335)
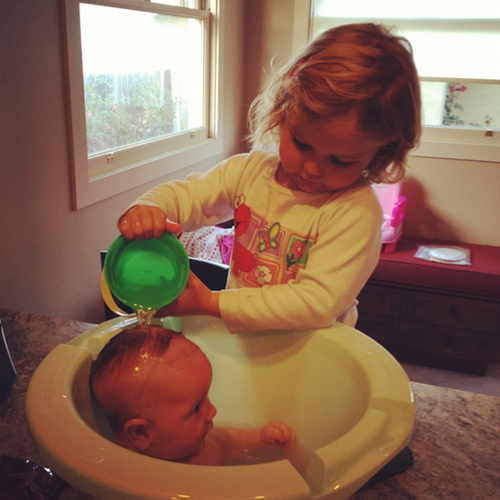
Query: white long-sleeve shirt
(299,259)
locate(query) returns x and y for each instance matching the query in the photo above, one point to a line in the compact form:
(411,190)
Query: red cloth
(482,277)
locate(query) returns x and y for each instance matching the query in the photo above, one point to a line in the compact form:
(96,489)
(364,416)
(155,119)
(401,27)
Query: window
(143,87)
(455,47)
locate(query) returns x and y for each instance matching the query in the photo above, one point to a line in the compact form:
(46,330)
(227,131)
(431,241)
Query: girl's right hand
(144,222)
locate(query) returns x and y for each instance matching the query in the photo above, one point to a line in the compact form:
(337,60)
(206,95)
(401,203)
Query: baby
(153,385)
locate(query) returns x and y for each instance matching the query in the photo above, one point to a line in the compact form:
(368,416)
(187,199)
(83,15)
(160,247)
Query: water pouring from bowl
(145,275)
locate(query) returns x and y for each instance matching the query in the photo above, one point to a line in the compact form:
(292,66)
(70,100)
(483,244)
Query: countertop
(456,440)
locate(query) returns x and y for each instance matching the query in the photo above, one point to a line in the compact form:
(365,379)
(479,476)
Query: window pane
(191,4)
(143,76)
(458,104)
(423,9)
(454,49)
(455,46)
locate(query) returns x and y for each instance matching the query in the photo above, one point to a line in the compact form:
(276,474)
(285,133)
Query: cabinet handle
(448,340)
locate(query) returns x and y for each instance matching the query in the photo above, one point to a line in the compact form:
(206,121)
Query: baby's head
(361,69)
(153,385)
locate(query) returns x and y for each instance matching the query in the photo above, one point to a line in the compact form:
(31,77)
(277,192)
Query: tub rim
(49,393)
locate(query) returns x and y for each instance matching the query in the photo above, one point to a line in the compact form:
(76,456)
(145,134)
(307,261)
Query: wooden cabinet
(431,327)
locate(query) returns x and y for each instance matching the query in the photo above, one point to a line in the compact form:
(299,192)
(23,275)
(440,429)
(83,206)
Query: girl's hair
(356,67)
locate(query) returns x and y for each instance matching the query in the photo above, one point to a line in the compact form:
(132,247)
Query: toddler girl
(307,223)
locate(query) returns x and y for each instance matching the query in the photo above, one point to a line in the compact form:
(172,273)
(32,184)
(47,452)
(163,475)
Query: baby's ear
(136,435)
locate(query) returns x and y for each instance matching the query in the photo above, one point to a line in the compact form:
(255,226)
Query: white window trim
(459,144)
(436,142)
(86,191)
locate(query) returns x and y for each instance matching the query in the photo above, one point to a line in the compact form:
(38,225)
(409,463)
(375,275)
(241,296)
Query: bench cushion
(482,277)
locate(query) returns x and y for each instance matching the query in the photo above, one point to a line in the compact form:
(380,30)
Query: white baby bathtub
(348,400)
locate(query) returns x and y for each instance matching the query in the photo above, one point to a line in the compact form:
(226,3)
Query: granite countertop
(456,440)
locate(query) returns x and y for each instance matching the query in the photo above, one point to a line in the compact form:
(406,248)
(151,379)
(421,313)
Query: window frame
(163,156)
(440,141)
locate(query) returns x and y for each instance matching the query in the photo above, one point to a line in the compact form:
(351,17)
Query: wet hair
(120,355)
(126,347)
(361,68)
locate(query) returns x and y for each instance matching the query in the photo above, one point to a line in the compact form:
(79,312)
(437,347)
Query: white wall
(453,200)
(49,254)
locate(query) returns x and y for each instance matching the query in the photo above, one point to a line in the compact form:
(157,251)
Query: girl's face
(182,413)
(323,155)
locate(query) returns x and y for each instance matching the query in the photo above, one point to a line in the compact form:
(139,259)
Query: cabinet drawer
(381,329)
(436,309)
(380,300)
(452,342)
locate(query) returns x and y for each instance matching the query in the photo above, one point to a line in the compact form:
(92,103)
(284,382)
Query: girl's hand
(277,434)
(144,222)
(194,300)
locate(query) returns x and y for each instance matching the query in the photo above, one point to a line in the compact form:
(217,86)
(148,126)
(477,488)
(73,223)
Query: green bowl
(147,274)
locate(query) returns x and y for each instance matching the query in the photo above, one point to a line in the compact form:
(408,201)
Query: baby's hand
(277,434)
(144,222)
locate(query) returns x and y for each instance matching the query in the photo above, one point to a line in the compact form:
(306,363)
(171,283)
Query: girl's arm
(339,262)
(345,251)
(201,200)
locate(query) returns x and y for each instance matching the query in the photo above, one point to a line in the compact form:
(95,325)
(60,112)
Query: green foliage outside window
(126,109)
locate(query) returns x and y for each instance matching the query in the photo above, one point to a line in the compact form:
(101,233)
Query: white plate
(447,254)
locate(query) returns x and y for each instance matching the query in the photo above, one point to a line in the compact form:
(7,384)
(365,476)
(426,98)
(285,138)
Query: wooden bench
(441,315)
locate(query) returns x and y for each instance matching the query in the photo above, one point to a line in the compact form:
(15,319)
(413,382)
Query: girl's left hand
(195,299)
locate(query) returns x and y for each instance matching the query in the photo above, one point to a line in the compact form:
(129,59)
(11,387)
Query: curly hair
(356,67)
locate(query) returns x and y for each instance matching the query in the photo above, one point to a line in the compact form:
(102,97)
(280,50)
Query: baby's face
(181,413)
